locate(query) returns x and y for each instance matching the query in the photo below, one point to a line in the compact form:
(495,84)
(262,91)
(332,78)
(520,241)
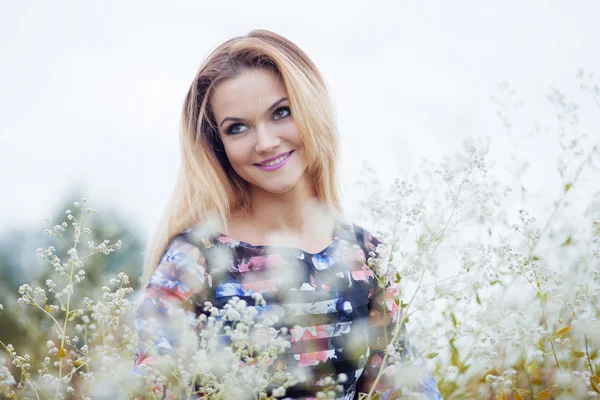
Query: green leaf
(544,394)
(577,354)
(594,385)
(454,357)
(518,396)
(462,368)
(568,241)
(563,331)
(432,355)
(567,187)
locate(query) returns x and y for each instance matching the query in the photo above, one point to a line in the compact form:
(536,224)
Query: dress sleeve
(168,303)
(384,313)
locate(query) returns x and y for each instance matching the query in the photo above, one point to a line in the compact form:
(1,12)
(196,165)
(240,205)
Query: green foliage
(27,330)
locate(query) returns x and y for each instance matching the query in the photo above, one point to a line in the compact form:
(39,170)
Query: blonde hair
(206,182)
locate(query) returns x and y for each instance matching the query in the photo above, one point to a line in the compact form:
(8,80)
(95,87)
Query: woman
(259,151)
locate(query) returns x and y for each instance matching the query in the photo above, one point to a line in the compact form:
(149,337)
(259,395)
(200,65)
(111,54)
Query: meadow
(499,288)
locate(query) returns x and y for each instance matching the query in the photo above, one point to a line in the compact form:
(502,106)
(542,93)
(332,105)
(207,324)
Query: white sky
(91,92)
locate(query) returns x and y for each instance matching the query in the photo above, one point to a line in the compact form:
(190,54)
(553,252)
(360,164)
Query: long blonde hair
(206,182)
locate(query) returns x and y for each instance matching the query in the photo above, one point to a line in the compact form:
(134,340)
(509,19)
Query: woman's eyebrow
(268,109)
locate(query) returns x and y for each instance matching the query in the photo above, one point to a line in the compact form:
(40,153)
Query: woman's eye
(239,128)
(281,112)
(235,129)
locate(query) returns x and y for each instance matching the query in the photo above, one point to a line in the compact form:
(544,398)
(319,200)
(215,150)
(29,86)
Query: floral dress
(333,294)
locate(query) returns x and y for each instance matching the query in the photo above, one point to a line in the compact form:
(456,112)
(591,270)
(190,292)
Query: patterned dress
(332,298)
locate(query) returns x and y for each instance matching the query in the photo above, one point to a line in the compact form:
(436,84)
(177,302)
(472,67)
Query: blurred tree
(27,328)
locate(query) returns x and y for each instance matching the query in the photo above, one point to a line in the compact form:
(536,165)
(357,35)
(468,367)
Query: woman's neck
(296,212)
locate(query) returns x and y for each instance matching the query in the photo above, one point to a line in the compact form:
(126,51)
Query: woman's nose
(266,139)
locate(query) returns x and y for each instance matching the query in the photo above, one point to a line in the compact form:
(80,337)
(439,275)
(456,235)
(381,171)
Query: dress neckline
(335,240)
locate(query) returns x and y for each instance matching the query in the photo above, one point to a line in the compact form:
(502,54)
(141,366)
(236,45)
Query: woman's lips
(274,158)
(276,166)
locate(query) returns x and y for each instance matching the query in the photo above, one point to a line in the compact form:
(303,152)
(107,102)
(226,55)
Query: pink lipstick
(283,160)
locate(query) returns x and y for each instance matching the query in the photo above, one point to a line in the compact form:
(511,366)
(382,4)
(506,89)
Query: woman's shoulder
(362,235)
(182,267)
(371,243)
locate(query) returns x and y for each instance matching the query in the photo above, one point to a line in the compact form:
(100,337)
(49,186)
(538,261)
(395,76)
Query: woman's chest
(333,285)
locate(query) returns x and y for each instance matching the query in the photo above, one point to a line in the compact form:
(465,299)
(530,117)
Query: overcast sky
(91,92)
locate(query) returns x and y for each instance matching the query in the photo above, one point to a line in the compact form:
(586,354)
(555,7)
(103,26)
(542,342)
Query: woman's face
(255,124)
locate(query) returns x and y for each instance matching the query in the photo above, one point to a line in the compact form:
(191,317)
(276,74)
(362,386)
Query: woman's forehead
(250,92)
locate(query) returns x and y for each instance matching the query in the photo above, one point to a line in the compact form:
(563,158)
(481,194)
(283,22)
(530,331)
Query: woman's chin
(282,183)
(276,187)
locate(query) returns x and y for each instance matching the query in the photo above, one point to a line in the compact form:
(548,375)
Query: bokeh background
(91,92)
